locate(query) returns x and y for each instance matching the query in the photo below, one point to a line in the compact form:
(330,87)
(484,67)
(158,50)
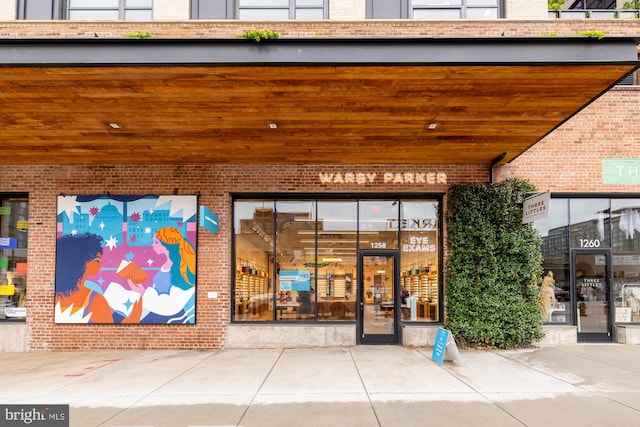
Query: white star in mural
(150,262)
(147,230)
(112,242)
(68,205)
(74,232)
(102,226)
(186,204)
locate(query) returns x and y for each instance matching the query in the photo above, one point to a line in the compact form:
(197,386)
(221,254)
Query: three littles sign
(535,207)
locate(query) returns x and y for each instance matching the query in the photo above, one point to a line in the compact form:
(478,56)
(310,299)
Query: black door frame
(382,338)
(603,337)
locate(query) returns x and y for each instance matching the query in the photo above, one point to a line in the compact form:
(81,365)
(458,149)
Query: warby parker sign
(383,178)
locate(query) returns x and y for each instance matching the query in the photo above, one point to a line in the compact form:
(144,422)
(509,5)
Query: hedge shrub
(492,266)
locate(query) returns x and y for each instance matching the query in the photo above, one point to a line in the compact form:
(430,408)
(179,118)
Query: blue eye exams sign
(295,280)
(208,219)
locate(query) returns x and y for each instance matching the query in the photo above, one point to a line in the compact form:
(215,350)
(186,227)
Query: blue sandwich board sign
(440,346)
(444,341)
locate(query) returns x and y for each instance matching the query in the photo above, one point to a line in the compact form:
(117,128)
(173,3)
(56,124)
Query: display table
(283,307)
(336,308)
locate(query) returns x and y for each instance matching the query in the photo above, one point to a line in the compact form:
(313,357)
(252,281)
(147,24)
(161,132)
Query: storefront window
(589,223)
(293,270)
(296,260)
(592,224)
(379,220)
(419,245)
(555,250)
(13,256)
(336,259)
(625,242)
(254,246)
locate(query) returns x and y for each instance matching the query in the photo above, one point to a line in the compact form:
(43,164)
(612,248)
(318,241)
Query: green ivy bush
(492,266)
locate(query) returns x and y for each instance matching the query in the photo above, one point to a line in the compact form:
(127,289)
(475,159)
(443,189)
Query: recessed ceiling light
(433,125)
(273,125)
(114,125)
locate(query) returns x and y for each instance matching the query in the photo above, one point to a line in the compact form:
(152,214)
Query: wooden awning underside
(295,101)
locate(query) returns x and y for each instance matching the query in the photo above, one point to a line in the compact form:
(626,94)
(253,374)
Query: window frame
(270,200)
(407,9)
(122,9)
(19,195)
(55,12)
(611,242)
(292,9)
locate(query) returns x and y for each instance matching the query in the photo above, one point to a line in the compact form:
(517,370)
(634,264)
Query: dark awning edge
(355,51)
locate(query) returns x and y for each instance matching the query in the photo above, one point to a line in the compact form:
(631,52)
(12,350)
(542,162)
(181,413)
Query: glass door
(377,291)
(592,279)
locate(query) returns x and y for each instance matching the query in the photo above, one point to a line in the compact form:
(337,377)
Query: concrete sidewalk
(578,385)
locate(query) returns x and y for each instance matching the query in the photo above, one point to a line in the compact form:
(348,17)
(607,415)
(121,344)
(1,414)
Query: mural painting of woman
(171,298)
(78,298)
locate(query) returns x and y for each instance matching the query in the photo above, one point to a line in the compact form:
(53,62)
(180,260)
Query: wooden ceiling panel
(324,114)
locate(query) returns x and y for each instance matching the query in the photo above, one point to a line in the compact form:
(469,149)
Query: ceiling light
(433,125)
(114,126)
(273,126)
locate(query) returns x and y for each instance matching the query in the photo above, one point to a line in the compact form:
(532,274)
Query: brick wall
(569,159)
(302,29)
(214,184)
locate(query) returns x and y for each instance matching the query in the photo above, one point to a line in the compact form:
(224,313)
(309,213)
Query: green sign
(5,210)
(621,171)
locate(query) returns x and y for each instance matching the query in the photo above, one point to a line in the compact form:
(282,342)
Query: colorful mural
(126,259)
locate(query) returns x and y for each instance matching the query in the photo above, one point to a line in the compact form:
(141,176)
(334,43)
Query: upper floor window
(260,10)
(86,10)
(454,9)
(434,9)
(97,10)
(282,10)
(594,9)
(630,80)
